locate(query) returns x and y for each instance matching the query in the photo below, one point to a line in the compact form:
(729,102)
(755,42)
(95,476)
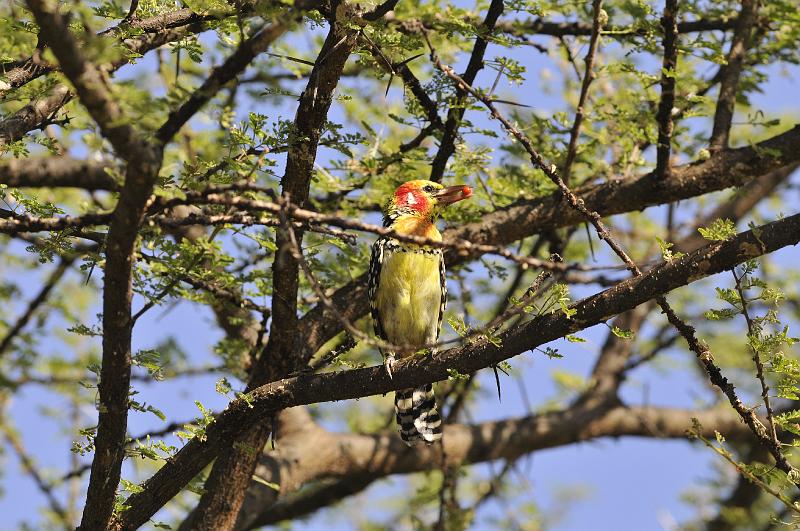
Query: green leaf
(223,386)
(720,230)
(623,334)
(552,353)
(454,376)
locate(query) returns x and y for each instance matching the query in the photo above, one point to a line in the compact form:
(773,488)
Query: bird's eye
(429,188)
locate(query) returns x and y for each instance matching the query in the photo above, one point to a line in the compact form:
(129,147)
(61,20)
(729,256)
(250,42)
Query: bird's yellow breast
(409,294)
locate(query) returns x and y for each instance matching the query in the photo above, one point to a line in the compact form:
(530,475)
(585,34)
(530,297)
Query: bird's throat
(417,226)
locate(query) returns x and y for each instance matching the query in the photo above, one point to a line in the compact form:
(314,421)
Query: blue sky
(640,479)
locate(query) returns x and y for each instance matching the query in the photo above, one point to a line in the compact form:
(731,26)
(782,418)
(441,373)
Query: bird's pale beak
(453,194)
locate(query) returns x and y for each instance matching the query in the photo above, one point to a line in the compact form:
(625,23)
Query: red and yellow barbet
(408,293)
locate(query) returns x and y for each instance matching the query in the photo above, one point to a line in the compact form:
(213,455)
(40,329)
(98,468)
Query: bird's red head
(422,198)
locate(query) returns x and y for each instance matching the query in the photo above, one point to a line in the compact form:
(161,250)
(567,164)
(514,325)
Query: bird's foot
(389,363)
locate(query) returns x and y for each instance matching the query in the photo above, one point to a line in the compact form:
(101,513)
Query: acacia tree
(236,155)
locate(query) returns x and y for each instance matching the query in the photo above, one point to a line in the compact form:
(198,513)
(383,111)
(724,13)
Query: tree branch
(539,26)
(380,10)
(668,73)
(732,167)
(301,505)
(688,332)
(35,303)
(41,112)
(363,459)
(588,76)
(33,67)
(723,115)
(746,198)
(743,496)
(37,114)
(409,80)
(43,485)
(144,162)
(115,371)
(456,112)
(54,172)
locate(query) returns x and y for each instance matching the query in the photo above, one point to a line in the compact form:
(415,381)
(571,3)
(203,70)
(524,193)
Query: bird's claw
(388,363)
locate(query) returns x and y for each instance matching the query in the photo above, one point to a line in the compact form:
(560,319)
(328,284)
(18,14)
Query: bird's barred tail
(417,416)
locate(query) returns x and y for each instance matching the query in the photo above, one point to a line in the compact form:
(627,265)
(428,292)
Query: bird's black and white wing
(373,280)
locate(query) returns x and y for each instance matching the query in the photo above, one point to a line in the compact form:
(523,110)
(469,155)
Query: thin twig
(462,247)
(36,302)
(44,486)
(729,83)
(751,333)
(233,66)
(743,470)
(597,25)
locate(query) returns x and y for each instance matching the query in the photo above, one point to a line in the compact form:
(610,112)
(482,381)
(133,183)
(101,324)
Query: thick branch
(366,458)
(538,26)
(37,114)
(613,362)
(301,505)
(687,331)
(746,198)
(53,172)
(115,372)
(563,29)
(144,163)
(730,168)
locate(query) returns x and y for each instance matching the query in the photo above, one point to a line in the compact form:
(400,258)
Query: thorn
(388,86)
(591,244)
(406,61)
(497,381)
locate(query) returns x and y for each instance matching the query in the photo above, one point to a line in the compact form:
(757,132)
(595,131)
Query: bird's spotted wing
(443,285)
(373,279)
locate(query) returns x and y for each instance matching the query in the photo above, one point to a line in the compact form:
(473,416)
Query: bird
(408,293)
